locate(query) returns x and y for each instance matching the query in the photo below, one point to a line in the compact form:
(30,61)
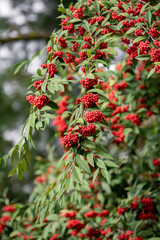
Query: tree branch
(26,37)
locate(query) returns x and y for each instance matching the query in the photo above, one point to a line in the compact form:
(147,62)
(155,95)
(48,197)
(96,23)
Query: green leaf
(19,173)
(131,30)
(126,132)
(62,10)
(12,172)
(96,5)
(43,214)
(142,57)
(61,87)
(157,63)
(95,175)
(114,1)
(77,175)
(20,65)
(82,163)
(28,155)
(88,144)
(97,90)
(125,6)
(154,238)
(103,97)
(105,174)
(86,25)
(105,155)
(89,54)
(39,72)
(145,234)
(124,14)
(90,159)
(143,8)
(41,52)
(60,192)
(14,215)
(150,73)
(110,164)
(139,39)
(52,105)
(80,120)
(100,163)
(90,76)
(69,182)
(14,234)
(24,165)
(66,114)
(31,119)
(3,160)
(110,51)
(149,17)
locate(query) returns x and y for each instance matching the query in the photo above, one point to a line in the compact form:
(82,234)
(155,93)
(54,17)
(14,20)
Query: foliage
(107,120)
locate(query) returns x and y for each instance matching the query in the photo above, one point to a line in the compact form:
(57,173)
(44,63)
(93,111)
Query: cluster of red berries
(52,70)
(93,214)
(155,55)
(70,214)
(69,27)
(60,122)
(156,43)
(39,101)
(9,208)
(118,133)
(99,54)
(87,131)
(154,32)
(30,99)
(62,42)
(120,86)
(138,32)
(79,13)
(125,40)
(41,179)
(94,116)
(156,162)
(89,100)
(70,58)
(6,218)
(37,84)
(87,82)
(157,68)
(75,47)
(88,40)
(120,109)
(144,47)
(54,237)
(83,55)
(103,45)
(148,207)
(62,105)
(58,54)
(134,203)
(133,117)
(132,51)
(75,223)
(120,210)
(69,140)
(43,65)
(127,236)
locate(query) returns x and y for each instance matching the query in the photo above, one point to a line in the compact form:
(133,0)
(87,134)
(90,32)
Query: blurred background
(25,27)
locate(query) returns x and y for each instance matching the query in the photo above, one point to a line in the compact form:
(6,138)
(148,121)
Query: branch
(26,37)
